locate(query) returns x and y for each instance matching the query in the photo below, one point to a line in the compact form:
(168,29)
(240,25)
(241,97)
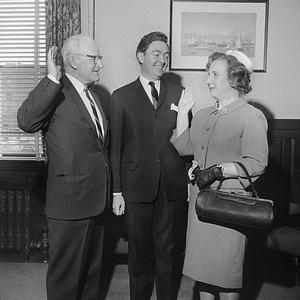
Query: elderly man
(74,124)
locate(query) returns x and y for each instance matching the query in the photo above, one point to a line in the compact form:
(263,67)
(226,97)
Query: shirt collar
(79,86)
(145,82)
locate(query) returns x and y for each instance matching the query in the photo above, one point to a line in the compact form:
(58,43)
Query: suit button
(157,161)
(202,147)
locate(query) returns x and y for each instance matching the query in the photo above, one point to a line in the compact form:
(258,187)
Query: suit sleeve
(116,123)
(34,113)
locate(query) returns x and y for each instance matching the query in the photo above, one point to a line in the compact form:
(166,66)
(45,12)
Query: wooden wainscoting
(281,181)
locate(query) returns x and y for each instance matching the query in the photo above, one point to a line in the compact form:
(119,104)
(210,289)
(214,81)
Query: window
(22,65)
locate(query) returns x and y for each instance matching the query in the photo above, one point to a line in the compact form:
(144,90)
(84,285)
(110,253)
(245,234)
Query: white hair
(74,44)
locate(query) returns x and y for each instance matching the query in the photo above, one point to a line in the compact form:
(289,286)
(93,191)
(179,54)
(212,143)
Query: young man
(75,128)
(149,179)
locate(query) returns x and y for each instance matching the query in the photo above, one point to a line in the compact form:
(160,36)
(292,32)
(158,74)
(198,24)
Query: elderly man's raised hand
(53,69)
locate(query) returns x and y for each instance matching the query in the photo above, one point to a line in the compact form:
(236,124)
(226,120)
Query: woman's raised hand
(187,100)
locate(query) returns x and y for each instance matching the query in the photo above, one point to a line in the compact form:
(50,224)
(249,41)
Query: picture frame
(88,17)
(199,28)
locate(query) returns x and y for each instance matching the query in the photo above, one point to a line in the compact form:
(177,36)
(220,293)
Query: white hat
(242,58)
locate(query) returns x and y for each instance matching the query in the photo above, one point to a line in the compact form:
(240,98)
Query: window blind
(22,65)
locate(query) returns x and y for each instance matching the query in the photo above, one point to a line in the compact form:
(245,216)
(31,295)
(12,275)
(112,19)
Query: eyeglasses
(95,58)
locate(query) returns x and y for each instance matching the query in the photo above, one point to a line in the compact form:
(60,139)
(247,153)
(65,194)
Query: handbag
(232,209)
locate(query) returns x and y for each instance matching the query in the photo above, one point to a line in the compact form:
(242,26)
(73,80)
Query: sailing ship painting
(204,33)
(199,28)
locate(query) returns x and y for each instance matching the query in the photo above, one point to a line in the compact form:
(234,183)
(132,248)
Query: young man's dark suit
(77,186)
(147,169)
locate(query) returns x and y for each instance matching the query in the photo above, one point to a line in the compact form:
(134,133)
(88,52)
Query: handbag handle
(248,177)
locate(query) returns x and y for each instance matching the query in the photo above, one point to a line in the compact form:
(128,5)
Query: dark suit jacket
(78,167)
(140,145)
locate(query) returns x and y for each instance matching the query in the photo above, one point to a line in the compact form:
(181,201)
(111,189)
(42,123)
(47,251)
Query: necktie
(94,112)
(154,94)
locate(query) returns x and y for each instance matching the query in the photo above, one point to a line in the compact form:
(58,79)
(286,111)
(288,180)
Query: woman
(230,131)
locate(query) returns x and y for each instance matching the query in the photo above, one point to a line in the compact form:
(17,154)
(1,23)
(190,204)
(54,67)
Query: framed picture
(199,28)
(88,17)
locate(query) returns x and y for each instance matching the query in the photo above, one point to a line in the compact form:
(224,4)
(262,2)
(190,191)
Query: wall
(120,24)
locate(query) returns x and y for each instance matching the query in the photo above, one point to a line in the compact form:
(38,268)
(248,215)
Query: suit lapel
(142,94)
(162,93)
(78,101)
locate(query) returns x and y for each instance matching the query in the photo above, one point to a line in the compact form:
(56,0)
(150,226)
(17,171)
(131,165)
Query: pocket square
(174,107)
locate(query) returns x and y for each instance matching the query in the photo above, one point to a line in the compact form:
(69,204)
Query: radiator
(18,226)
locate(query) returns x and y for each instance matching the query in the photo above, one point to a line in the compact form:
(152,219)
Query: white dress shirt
(147,87)
(80,88)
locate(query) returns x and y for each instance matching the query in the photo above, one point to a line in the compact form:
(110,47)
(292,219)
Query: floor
(268,275)
(26,281)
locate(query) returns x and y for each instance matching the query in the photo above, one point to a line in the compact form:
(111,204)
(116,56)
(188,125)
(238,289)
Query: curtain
(62,21)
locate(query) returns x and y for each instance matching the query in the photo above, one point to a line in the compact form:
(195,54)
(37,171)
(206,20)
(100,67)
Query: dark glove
(208,176)
(194,175)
